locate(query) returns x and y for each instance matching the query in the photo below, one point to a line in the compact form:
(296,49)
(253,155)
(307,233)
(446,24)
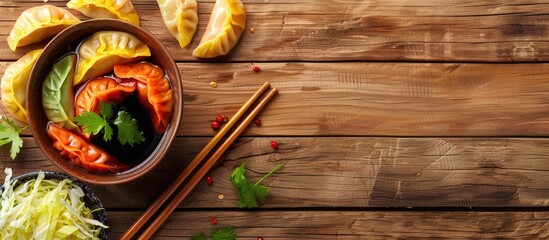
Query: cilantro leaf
(91,123)
(9,132)
(226,233)
(200,236)
(107,133)
(106,110)
(128,131)
(249,193)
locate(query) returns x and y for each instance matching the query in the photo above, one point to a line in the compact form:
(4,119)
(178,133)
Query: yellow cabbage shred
(45,209)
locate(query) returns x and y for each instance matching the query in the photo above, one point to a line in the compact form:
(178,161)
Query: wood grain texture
(348,172)
(395,30)
(350,224)
(375,99)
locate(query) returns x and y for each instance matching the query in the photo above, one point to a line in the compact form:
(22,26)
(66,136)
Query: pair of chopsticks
(184,190)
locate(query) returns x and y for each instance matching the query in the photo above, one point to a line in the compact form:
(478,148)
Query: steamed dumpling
(117,9)
(181,19)
(14,85)
(103,50)
(227,22)
(37,23)
(58,94)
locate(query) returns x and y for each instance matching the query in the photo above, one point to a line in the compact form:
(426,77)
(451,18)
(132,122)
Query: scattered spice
(215,125)
(252,30)
(257,122)
(259,238)
(274,144)
(219,119)
(214,221)
(213,84)
(220,196)
(225,118)
(256,68)
(209,180)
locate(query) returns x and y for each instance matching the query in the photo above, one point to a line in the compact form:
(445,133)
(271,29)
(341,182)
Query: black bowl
(90,199)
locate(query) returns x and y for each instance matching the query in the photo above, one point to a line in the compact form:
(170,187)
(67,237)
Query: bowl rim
(165,141)
(90,198)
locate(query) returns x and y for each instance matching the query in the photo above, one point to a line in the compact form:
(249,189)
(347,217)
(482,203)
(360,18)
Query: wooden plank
(375,99)
(349,172)
(396,30)
(349,224)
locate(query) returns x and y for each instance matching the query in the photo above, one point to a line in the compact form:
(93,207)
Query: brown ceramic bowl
(58,46)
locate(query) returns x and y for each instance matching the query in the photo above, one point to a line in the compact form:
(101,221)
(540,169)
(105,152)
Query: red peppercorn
(257,122)
(256,68)
(209,180)
(219,119)
(259,238)
(215,125)
(274,144)
(214,221)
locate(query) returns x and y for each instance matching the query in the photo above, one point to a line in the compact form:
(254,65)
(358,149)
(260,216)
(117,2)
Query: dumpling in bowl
(117,9)
(83,154)
(181,19)
(153,91)
(102,90)
(58,94)
(227,22)
(14,85)
(37,23)
(104,49)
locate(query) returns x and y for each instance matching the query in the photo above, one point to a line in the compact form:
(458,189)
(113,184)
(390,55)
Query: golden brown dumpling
(227,22)
(181,19)
(104,49)
(37,23)
(14,85)
(117,9)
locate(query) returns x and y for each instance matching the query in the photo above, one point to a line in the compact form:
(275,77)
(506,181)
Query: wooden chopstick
(145,217)
(206,167)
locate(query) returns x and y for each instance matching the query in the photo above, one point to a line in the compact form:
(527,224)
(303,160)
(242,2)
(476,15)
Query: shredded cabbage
(45,209)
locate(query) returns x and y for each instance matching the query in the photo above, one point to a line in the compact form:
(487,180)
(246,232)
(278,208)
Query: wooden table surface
(395,118)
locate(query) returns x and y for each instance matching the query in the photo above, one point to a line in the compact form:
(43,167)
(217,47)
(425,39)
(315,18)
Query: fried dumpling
(102,89)
(104,49)
(227,22)
(153,91)
(83,154)
(117,9)
(181,19)
(58,94)
(14,85)
(37,23)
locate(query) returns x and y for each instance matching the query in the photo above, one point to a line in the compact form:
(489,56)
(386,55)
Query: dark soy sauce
(131,155)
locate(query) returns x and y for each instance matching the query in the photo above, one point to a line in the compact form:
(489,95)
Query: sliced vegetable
(45,209)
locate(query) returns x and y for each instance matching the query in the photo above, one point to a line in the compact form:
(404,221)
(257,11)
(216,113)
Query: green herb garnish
(9,132)
(249,193)
(128,131)
(226,233)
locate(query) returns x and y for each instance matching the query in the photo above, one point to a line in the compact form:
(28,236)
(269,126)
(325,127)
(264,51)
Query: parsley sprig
(226,233)
(9,132)
(249,193)
(126,125)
